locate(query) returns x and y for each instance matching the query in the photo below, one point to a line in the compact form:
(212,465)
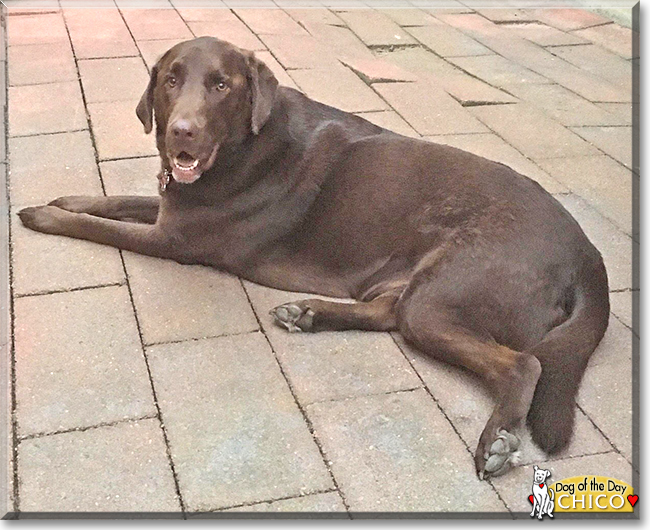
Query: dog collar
(164,178)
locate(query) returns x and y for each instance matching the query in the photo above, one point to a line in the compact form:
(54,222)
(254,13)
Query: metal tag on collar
(164,179)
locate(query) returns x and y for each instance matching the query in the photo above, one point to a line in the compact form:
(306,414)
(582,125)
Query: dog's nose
(184,129)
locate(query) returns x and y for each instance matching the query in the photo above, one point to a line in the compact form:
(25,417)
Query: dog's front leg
(140,238)
(139,209)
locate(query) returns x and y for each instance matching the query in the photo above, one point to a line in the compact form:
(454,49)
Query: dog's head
(204,94)
(540,475)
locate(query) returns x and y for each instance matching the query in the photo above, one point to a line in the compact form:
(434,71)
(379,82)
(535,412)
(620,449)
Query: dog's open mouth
(187,168)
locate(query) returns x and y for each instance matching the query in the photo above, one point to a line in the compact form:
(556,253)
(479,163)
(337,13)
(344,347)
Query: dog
(473,263)
(544,499)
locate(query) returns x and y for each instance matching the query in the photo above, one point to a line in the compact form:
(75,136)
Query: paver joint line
(70,290)
(266,501)
(235,334)
(84,429)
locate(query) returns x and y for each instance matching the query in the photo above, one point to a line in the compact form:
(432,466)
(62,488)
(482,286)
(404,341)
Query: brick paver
(372,442)
(339,40)
(79,361)
(339,87)
(146,385)
(568,19)
(235,32)
(448,42)
(40,173)
(409,17)
(504,15)
(376,29)
(36,109)
(127,463)
(149,24)
(546,36)
(36,29)
(300,51)
(113,79)
(436,115)
(263,21)
(306,15)
(117,130)
(237,436)
(464,88)
(111,38)
(599,62)
(41,63)
(497,70)
(565,106)
(133,176)
(615,141)
(603,182)
(532,133)
(200,302)
(44,264)
(610,36)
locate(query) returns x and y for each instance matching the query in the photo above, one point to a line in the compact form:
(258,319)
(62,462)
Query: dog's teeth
(186,168)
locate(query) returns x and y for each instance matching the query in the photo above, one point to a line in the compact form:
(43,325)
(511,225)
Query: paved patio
(142,385)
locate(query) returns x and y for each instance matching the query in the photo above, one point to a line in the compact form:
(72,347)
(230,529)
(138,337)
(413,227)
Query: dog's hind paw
(293,317)
(502,455)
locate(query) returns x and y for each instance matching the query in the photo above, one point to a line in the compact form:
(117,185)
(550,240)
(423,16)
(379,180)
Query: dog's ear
(144,110)
(535,468)
(548,474)
(263,87)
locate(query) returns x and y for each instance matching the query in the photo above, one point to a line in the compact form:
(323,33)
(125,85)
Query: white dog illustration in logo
(544,498)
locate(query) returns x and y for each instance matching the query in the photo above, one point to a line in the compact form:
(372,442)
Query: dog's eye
(221,86)
(171,81)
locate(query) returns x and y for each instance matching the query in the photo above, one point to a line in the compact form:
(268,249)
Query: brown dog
(472,262)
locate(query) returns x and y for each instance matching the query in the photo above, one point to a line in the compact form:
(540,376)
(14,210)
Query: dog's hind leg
(321,315)
(511,375)
(121,208)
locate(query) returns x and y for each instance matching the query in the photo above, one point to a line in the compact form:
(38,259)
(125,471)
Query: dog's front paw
(74,203)
(48,219)
(294,317)
(501,456)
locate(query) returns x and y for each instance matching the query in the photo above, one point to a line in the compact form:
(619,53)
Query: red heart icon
(541,486)
(530,498)
(632,499)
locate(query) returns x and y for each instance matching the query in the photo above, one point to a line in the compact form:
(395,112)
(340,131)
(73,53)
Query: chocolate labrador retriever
(470,261)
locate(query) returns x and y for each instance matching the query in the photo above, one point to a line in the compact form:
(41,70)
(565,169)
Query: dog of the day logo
(543,497)
(583,494)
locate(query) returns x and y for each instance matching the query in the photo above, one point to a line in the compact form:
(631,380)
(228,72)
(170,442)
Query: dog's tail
(563,354)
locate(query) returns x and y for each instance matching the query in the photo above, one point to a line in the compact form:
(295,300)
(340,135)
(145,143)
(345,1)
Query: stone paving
(145,386)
